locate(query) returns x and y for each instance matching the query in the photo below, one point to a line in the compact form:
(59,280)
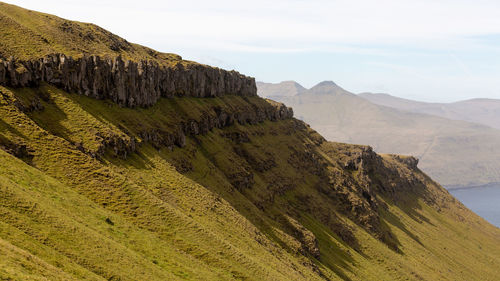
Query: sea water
(484,201)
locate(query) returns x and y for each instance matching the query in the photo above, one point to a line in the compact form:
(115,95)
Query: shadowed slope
(275,201)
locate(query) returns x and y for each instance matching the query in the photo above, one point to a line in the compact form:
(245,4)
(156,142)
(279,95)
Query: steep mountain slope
(455,153)
(285,88)
(275,201)
(481,111)
(226,187)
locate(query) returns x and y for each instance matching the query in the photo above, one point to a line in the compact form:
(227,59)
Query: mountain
(116,167)
(285,88)
(481,111)
(327,88)
(455,153)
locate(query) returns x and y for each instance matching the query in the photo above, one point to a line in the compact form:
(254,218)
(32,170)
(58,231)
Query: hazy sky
(425,50)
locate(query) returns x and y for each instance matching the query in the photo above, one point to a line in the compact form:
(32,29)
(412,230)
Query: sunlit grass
(67,215)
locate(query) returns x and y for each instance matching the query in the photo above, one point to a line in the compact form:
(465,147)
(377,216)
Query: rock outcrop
(216,117)
(409,161)
(127,83)
(121,145)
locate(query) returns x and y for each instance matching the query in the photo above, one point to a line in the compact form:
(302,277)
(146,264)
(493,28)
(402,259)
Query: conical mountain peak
(327,88)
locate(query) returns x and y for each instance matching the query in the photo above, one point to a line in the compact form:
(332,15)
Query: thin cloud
(283,22)
(461,65)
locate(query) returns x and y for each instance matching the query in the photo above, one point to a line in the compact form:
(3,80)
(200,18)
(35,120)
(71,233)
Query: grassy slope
(66,215)
(455,153)
(28,34)
(166,225)
(180,238)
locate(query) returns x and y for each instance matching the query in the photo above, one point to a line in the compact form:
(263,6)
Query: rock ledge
(127,83)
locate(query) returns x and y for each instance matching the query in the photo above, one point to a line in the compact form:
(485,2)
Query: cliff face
(211,117)
(215,117)
(127,83)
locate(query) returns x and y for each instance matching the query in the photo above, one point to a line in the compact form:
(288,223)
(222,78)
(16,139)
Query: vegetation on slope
(30,35)
(94,191)
(153,233)
(266,201)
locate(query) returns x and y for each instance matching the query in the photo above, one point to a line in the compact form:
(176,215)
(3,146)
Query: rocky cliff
(213,116)
(127,83)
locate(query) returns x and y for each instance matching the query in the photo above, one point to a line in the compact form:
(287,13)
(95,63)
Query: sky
(436,51)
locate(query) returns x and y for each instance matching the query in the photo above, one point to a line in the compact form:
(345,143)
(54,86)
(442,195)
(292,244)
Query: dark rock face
(359,159)
(126,83)
(409,161)
(216,117)
(132,84)
(18,150)
(241,180)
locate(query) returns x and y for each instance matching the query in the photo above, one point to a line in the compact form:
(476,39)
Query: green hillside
(90,190)
(28,34)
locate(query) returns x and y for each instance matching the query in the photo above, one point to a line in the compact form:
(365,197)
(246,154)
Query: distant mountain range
(451,148)
(285,89)
(482,111)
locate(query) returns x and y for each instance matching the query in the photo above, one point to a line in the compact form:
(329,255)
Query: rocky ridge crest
(127,83)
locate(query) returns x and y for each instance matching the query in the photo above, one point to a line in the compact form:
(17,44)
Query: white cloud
(275,25)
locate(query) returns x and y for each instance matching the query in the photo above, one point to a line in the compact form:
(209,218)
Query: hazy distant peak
(282,89)
(326,83)
(327,88)
(391,101)
(382,95)
(374,94)
(480,110)
(291,82)
(480,101)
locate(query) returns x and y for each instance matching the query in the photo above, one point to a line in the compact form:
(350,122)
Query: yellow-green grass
(67,215)
(27,34)
(176,238)
(218,208)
